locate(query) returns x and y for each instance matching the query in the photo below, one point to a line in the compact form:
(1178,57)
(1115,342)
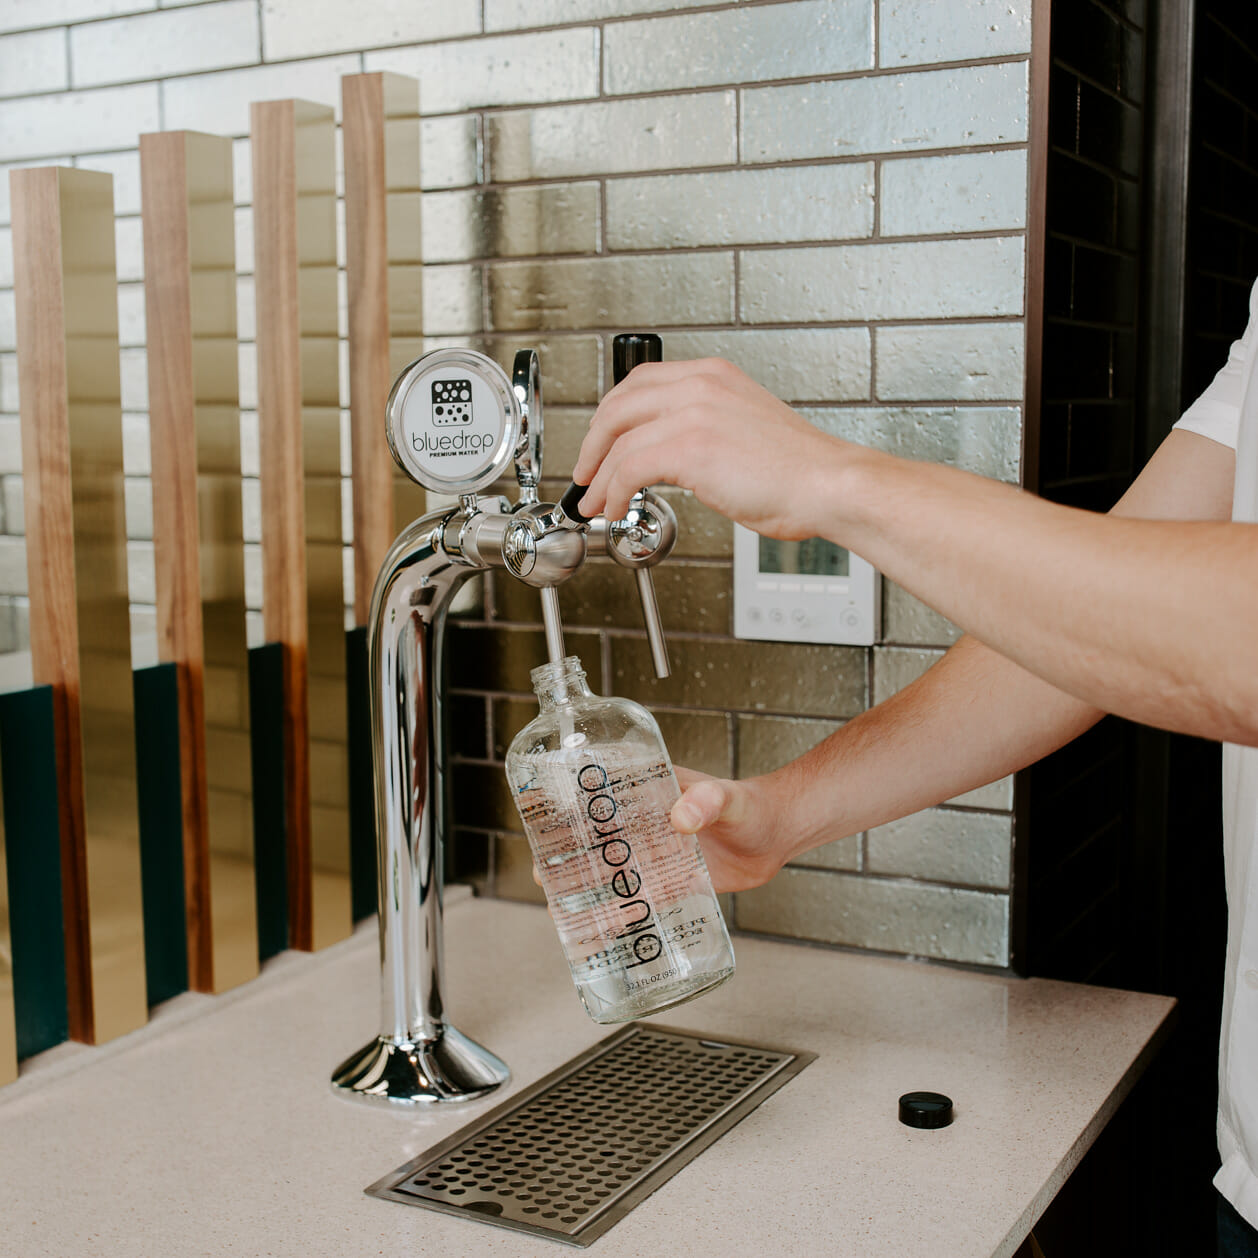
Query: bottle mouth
(549,673)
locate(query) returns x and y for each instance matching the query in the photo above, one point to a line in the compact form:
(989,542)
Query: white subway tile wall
(831,193)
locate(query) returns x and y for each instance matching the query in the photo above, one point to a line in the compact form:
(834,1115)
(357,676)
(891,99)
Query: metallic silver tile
(527,69)
(246,309)
(906,621)
(449,151)
(130,315)
(896,667)
(452,299)
(995,795)
(242,172)
(653,291)
(770,676)
(244,240)
(511,222)
(697,740)
(570,375)
(701,532)
(766,743)
(971,848)
(34,61)
(692,599)
(12,565)
(959,108)
(77,122)
(843,853)
(799,365)
(247,374)
(740,45)
(913,919)
(141,573)
(912,32)
(219,103)
(249,449)
(181,41)
(566,427)
(136,457)
(740,207)
(503,15)
(251,509)
(17,14)
(129,249)
(926,196)
(983,440)
(8,384)
(305,28)
(138,499)
(935,279)
(611,137)
(968,362)
(8,626)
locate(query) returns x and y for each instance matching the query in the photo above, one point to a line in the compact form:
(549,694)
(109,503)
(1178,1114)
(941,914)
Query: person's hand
(739,840)
(708,427)
(734,829)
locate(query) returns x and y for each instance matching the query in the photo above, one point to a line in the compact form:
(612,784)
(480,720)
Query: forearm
(1116,611)
(972,718)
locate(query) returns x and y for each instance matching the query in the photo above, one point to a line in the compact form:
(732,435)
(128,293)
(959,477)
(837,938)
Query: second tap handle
(654,626)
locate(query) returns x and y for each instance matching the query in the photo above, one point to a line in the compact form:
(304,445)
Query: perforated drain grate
(575,1152)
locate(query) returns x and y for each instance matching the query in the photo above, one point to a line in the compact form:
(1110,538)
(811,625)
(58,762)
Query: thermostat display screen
(813,557)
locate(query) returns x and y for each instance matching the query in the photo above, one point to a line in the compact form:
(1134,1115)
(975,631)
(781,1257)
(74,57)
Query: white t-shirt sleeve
(1216,413)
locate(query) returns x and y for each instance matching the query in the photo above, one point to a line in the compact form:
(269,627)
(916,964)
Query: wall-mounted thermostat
(808,591)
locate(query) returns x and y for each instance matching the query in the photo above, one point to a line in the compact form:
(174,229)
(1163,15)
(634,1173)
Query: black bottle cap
(631,348)
(925,1109)
(568,503)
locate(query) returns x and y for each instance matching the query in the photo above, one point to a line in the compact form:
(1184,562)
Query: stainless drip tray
(577,1150)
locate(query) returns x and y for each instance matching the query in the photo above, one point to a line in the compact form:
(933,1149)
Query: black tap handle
(568,503)
(631,348)
(628,350)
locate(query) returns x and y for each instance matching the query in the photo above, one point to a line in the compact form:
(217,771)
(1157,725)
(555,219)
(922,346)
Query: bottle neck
(560,685)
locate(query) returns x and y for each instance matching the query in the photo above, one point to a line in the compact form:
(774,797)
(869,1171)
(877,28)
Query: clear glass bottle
(630,896)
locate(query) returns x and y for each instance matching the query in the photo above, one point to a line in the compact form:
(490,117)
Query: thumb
(703,804)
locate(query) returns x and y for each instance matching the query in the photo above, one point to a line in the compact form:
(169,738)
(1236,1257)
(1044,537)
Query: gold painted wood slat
(384,256)
(8,1016)
(295,277)
(198,543)
(71,418)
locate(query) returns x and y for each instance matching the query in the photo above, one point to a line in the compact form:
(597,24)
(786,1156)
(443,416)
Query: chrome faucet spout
(417,1056)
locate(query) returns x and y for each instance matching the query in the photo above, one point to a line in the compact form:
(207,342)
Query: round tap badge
(453,421)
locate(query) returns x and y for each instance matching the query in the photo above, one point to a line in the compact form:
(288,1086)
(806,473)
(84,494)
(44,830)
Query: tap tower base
(449,1067)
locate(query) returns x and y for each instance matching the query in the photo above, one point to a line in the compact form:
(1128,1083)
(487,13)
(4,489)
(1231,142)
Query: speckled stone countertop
(213,1131)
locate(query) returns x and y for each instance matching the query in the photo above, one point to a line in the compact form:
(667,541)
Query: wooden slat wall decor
(8,1014)
(295,276)
(71,418)
(384,257)
(194,426)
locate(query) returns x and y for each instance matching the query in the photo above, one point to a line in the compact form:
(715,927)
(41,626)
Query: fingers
(650,391)
(647,455)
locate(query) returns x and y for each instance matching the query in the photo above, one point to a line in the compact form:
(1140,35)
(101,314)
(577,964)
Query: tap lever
(640,541)
(552,623)
(654,626)
(568,504)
